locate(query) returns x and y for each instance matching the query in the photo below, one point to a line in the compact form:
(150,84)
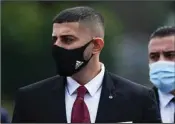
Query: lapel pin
(110,97)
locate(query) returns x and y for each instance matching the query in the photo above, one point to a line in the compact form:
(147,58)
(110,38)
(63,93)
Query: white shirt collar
(165,98)
(92,86)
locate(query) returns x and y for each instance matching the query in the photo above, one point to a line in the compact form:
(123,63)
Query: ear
(98,45)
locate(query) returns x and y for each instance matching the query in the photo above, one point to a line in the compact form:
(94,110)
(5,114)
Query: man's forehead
(75,29)
(163,43)
(64,28)
(162,40)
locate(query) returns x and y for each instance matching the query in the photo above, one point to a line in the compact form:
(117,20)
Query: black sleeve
(18,113)
(4,116)
(151,110)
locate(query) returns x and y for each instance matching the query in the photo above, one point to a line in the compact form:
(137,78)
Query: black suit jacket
(157,98)
(44,102)
(156,95)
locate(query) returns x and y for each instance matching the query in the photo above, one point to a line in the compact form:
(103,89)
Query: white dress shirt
(91,99)
(167,108)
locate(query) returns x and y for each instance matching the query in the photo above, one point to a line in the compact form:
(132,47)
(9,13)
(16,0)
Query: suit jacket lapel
(58,103)
(108,104)
(112,98)
(156,94)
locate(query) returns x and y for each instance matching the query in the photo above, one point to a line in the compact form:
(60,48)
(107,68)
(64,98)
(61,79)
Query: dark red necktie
(80,113)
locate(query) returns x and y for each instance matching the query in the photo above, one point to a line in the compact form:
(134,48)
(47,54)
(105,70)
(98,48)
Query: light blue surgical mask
(162,75)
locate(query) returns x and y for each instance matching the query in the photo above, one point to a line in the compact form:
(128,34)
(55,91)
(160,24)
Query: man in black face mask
(83,91)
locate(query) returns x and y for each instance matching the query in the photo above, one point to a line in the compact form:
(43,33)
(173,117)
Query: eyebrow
(162,51)
(153,53)
(67,35)
(72,36)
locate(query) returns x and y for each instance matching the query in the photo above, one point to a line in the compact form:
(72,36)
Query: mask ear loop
(86,61)
(93,39)
(88,44)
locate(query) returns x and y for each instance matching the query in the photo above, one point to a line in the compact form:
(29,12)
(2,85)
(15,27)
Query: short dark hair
(163,31)
(80,14)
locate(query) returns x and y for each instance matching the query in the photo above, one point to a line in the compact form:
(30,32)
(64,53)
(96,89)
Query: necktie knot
(81,91)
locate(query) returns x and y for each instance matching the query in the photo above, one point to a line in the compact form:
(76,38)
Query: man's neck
(87,73)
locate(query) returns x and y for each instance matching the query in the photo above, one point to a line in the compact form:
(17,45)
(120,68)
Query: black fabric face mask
(69,62)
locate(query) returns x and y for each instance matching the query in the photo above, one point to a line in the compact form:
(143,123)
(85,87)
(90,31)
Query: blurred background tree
(26,39)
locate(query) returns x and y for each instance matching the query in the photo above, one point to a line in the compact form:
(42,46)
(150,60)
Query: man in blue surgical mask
(162,70)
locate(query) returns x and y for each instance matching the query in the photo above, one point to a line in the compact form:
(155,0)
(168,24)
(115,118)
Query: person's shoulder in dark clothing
(129,87)
(43,85)
(4,116)
(141,94)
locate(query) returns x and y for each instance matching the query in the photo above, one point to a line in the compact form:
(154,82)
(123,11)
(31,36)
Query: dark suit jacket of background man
(44,102)
(157,96)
